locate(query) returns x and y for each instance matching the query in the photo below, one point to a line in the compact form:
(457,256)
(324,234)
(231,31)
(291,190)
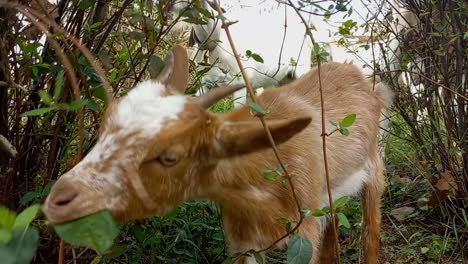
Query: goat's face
(153,145)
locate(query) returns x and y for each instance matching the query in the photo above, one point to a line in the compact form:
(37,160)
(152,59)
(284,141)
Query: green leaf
(75,105)
(203,11)
(316,48)
(96,260)
(333,123)
(96,231)
(344,131)
(318,212)
(194,20)
(341,201)
(465,36)
(24,219)
(58,85)
(39,111)
(299,250)
(5,235)
(93,105)
(424,250)
(258,108)
(269,174)
(221,17)
(100,93)
(258,257)
(85,4)
(257,57)
(45,97)
(28,197)
(118,251)
(343,220)
(348,120)
(35,70)
(21,248)
(7,218)
(156,65)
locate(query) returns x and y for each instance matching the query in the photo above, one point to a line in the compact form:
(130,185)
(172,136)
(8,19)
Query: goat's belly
(352,185)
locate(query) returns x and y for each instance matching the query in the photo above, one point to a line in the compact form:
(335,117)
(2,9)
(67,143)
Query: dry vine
(272,142)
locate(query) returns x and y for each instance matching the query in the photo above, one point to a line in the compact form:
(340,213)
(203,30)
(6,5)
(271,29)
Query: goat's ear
(243,137)
(176,70)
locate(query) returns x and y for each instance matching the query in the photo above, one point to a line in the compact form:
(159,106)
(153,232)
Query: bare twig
(14,85)
(267,131)
(7,147)
(324,135)
(33,15)
(61,258)
(429,79)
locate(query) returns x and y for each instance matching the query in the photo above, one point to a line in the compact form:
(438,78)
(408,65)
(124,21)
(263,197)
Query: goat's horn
(216,94)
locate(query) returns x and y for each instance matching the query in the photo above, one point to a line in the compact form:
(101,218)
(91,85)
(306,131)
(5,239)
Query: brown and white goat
(158,148)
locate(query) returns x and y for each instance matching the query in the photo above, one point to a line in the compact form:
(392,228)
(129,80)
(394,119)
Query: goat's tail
(385,94)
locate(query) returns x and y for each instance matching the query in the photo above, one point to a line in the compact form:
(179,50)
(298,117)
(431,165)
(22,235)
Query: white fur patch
(351,186)
(145,110)
(137,118)
(259,194)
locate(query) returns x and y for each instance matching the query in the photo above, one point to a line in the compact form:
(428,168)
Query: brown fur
(219,157)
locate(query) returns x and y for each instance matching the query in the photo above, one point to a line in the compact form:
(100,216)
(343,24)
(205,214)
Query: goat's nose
(62,195)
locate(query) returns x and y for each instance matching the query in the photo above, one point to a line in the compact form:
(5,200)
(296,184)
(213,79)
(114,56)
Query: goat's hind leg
(371,202)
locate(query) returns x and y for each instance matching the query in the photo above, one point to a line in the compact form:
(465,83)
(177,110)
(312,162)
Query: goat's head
(154,145)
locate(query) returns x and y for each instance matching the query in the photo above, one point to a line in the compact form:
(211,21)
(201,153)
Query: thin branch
(267,131)
(85,51)
(6,146)
(324,135)
(14,85)
(429,79)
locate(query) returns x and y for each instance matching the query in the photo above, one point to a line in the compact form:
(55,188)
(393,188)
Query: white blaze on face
(137,118)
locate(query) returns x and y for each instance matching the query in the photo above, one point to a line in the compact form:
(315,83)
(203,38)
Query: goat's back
(345,92)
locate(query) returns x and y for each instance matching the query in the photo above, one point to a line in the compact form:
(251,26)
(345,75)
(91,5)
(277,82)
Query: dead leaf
(444,186)
(398,179)
(446,182)
(402,213)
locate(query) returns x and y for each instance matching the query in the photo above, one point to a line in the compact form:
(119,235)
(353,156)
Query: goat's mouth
(61,212)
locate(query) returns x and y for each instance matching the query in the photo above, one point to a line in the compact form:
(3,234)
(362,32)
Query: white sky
(261,20)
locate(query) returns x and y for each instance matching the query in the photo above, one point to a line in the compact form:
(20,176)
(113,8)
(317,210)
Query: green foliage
(24,219)
(96,231)
(39,193)
(18,242)
(319,53)
(156,66)
(299,250)
(254,56)
(222,106)
(347,27)
(190,233)
(257,108)
(342,126)
(274,175)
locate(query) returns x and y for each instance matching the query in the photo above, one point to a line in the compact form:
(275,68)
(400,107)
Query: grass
(192,232)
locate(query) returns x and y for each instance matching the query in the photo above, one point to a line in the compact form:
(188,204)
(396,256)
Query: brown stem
(95,64)
(324,135)
(61,258)
(267,131)
(429,79)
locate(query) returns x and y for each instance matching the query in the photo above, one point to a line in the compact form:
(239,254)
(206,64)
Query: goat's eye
(167,160)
